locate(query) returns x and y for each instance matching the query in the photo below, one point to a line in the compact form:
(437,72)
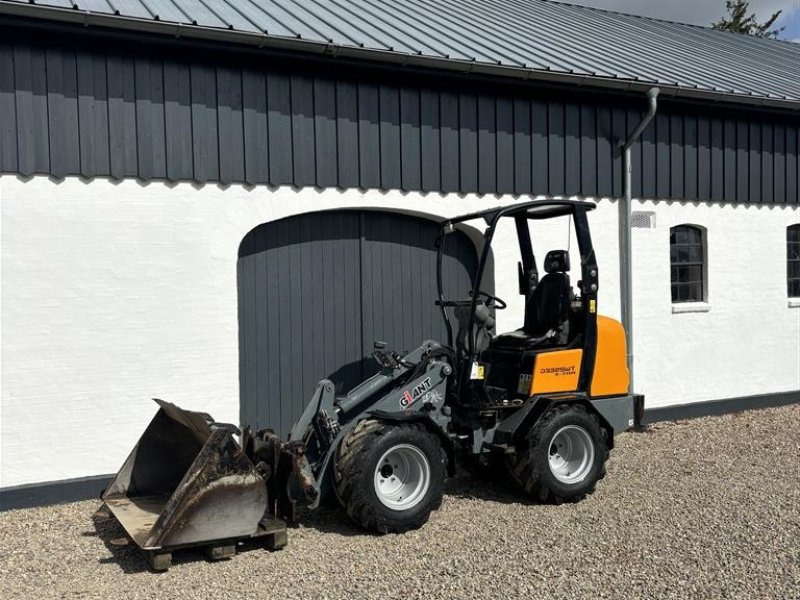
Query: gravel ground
(708,508)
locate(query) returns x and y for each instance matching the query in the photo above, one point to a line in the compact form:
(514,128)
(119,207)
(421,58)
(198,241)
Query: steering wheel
(491,301)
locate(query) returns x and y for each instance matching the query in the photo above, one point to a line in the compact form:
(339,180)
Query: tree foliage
(739,21)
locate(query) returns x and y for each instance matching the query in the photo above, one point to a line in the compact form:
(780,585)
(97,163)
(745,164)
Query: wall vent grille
(643,219)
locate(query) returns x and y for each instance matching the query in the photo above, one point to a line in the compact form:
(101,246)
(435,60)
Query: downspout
(626,257)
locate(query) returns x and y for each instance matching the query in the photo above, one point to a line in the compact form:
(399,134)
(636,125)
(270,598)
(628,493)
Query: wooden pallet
(272,532)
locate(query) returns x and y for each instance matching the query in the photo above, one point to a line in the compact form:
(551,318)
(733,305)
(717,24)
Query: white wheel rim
(571,454)
(402,477)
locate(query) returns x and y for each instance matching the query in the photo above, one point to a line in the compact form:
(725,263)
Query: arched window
(687,261)
(793,260)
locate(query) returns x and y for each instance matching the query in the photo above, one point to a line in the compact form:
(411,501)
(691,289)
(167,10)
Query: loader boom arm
(415,385)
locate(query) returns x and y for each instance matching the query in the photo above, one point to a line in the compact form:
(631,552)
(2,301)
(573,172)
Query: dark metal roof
(536,39)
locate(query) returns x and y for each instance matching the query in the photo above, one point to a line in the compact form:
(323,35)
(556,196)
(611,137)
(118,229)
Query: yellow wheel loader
(545,401)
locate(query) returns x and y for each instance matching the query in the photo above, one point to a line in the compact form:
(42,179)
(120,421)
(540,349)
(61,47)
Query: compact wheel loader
(543,402)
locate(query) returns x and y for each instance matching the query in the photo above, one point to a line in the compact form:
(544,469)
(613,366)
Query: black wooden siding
(317,290)
(66,110)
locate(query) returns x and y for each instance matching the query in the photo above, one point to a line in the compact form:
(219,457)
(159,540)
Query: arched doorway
(316,290)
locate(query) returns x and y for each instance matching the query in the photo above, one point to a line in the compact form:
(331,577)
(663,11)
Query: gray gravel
(708,508)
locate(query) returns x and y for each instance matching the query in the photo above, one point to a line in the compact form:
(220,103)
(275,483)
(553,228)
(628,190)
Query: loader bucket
(187,481)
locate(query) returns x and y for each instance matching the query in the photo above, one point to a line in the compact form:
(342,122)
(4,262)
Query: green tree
(739,21)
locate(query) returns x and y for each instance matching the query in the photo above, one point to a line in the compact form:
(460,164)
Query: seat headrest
(556,261)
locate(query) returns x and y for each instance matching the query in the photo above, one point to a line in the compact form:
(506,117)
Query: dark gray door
(315,292)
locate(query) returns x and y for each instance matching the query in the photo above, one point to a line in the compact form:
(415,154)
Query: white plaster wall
(748,342)
(113,293)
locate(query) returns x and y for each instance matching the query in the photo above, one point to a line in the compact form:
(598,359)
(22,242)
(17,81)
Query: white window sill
(794,302)
(690,307)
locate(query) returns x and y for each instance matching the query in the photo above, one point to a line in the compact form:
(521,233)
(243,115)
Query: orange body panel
(556,371)
(610,375)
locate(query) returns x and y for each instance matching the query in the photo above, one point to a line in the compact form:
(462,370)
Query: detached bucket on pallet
(187,482)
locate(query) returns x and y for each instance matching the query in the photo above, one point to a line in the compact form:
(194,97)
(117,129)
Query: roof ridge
(660,20)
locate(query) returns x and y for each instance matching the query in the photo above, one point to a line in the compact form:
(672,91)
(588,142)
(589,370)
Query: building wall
(748,341)
(113,293)
(87,107)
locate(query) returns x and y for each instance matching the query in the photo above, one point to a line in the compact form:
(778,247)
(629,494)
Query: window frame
(697,244)
(793,259)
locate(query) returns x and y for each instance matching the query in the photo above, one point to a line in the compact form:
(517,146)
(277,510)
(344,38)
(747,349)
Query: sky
(704,12)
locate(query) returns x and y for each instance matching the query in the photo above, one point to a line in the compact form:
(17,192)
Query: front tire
(566,455)
(390,477)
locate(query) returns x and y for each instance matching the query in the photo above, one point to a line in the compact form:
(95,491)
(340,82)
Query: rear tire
(390,477)
(565,458)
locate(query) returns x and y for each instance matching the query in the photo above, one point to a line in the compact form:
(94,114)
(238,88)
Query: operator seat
(547,309)
(548,306)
